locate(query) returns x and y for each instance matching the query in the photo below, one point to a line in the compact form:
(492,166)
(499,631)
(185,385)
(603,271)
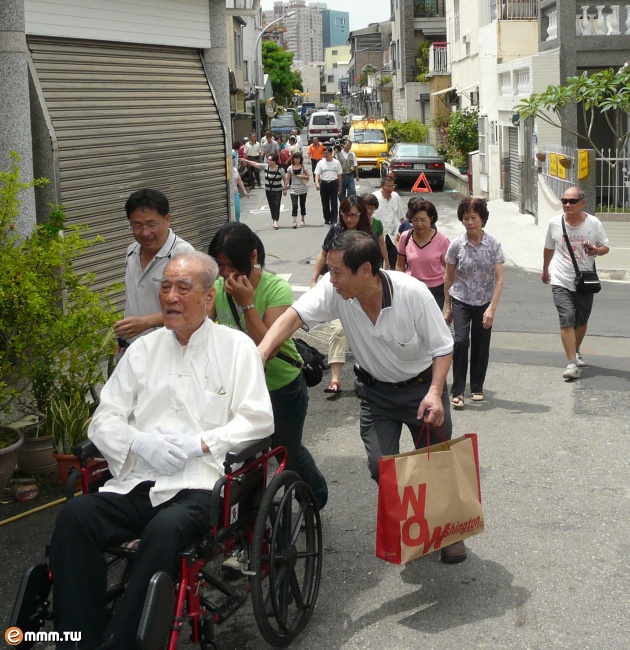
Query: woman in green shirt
(251,299)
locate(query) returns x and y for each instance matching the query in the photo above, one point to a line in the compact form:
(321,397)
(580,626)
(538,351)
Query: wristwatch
(246,307)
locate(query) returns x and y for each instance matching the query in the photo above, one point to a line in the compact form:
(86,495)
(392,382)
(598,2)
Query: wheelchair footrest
(157,614)
(31,608)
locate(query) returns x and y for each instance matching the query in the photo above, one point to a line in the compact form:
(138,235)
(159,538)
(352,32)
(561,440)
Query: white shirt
(561,269)
(215,386)
(328,171)
(409,332)
(298,142)
(390,212)
(142,286)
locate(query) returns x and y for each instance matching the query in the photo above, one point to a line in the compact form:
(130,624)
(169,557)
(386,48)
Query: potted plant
(10,442)
(67,422)
(461,162)
(54,328)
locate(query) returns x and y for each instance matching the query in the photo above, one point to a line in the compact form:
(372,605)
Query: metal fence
(613,182)
(559,178)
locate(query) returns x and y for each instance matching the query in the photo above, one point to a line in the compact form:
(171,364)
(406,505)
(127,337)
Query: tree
(606,92)
(277,64)
(462,134)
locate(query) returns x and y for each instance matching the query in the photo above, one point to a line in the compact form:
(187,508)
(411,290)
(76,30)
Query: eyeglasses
(351,214)
(426,220)
(570,201)
(151,226)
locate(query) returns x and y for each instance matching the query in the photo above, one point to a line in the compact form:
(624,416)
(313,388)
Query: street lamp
(256,63)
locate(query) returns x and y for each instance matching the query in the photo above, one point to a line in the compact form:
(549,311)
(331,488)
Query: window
(334,66)
(427,9)
(238,50)
(331,78)
(335,52)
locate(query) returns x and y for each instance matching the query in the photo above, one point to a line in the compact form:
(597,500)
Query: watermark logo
(14,636)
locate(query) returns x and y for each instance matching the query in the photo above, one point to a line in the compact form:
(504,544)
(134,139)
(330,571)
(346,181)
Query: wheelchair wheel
(286,558)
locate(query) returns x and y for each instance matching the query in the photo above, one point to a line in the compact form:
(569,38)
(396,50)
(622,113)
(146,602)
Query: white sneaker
(571,372)
(580,360)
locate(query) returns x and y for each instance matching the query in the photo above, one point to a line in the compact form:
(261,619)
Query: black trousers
(294,204)
(469,333)
(253,172)
(385,408)
(313,165)
(89,524)
(328,191)
(275,201)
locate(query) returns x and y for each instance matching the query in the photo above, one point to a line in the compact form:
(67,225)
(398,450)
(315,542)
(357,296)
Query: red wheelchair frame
(273,529)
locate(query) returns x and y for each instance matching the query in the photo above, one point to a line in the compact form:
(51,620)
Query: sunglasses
(570,201)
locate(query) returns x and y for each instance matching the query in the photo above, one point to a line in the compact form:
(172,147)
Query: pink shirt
(426,262)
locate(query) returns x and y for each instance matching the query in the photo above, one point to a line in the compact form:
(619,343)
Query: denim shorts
(573,308)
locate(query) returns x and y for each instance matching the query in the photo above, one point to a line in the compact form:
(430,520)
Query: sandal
(334,388)
(477,397)
(294,224)
(275,225)
(303,223)
(458,401)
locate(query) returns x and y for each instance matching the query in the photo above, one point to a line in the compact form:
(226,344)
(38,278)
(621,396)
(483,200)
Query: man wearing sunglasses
(149,218)
(588,240)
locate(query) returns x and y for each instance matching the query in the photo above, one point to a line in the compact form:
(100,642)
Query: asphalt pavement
(550,570)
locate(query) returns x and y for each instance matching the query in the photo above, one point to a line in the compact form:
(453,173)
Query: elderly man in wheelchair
(185,407)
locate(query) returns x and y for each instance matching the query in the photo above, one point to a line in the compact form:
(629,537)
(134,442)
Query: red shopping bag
(427,499)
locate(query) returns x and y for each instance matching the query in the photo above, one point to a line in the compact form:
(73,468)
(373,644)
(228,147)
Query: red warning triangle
(422,184)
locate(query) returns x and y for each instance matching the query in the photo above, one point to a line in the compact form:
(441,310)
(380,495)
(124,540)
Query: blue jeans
(289,405)
(237,207)
(347,186)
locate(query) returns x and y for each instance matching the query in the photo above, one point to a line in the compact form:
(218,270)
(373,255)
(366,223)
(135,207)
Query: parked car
(326,125)
(407,160)
(282,125)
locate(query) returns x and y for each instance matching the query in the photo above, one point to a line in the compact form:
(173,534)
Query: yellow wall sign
(553,164)
(582,164)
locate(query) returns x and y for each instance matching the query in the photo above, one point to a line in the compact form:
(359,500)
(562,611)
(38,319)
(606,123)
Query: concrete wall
(15,126)
(162,22)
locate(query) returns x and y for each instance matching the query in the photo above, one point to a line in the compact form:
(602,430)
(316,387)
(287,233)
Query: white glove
(190,445)
(164,456)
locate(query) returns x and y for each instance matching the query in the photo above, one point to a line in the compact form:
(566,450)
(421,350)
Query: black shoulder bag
(585,281)
(313,363)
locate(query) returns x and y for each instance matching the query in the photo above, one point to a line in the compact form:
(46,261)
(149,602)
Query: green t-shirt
(271,291)
(377,226)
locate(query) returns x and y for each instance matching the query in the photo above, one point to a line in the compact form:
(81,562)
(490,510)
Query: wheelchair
(271,526)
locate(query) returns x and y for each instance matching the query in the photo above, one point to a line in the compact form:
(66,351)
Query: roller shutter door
(515,166)
(126,117)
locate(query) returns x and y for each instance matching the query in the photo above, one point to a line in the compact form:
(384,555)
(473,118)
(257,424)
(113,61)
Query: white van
(325,125)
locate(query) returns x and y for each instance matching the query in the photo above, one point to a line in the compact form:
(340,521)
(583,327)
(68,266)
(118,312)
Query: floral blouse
(474,268)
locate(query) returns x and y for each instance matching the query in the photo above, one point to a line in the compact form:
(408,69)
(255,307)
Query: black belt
(122,344)
(369,380)
(349,174)
(327,182)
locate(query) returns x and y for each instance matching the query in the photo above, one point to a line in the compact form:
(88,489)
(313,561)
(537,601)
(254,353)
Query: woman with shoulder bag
(251,299)
(275,184)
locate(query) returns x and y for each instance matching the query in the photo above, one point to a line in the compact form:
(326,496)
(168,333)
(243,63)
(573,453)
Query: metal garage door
(126,117)
(515,166)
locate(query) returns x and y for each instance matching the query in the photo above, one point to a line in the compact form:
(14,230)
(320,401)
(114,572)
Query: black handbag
(585,281)
(313,361)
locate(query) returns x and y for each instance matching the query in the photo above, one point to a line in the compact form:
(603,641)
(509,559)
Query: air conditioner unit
(466,38)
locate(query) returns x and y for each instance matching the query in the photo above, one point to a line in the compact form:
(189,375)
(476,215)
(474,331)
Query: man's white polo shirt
(142,286)
(408,334)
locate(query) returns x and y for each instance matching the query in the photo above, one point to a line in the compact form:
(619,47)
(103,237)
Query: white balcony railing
(590,20)
(514,9)
(438,59)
